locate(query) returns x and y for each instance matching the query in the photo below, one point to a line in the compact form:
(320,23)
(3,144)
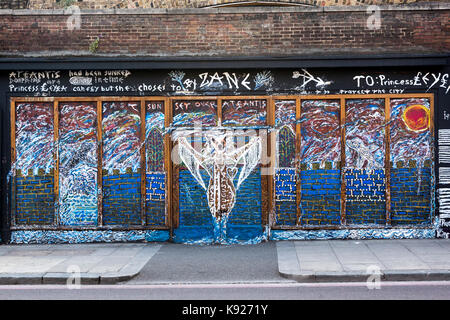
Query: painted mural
(365,175)
(195,112)
(411,174)
(285,169)
(34,165)
(346,165)
(121,163)
(78,163)
(244,112)
(320,153)
(34,136)
(224,163)
(121,131)
(364,133)
(410,135)
(285,122)
(155,194)
(320,132)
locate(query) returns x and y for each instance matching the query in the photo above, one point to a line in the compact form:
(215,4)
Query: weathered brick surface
(286,213)
(285,196)
(320,197)
(155,200)
(248,207)
(410,196)
(243,34)
(365,213)
(365,192)
(39,4)
(35,199)
(193,205)
(121,199)
(365,185)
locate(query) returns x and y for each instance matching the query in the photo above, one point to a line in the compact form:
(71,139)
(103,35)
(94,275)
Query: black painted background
(278,82)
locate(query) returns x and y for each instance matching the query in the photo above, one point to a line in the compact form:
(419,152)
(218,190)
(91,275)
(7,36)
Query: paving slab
(66,264)
(347,260)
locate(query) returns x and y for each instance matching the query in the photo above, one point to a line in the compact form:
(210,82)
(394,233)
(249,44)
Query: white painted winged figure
(222,160)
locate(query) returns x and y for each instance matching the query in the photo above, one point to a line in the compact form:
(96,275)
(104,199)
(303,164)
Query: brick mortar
(205,35)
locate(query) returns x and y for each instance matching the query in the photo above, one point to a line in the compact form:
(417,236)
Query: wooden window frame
(267,181)
(343,98)
(98,101)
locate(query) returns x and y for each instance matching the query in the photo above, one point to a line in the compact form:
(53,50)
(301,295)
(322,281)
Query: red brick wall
(243,33)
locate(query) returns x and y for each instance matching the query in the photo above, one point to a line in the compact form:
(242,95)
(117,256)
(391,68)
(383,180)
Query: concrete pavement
(350,260)
(62,263)
(274,262)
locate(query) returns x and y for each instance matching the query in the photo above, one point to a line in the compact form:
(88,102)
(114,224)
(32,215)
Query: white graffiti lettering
(428,79)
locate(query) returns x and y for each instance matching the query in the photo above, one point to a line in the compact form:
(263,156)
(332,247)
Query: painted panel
(320,131)
(320,157)
(365,161)
(410,130)
(244,112)
(34,182)
(285,113)
(155,198)
(154,131)
(285,122)
(34,136)
(121,163)
(121,131)
(189,113)
(78,163)
(213,190)
(285,171)
(411,172)
(364,133)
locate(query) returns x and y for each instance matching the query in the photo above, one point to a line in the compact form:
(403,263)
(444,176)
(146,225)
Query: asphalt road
(256,291)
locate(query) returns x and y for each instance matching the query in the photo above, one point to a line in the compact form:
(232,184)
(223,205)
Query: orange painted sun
(416,117)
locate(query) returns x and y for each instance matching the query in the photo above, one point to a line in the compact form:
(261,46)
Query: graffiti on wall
(411,147)
(78,163)
(428,80)
(326,166)
(320,132)
(155,189)
(220,158)
(285,166)
(244,112)
(34,136)
(34,166)
(410,134)
(121,163)
(198,112)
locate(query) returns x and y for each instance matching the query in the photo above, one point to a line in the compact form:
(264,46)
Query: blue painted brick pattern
(286,213)
(248,207)
(193,203)
(410,199)
(363,184)
(155,199)
(35,200)
(365,206)
(320,197)
(285,196)
(285,185)
(121,199)
(155,186)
